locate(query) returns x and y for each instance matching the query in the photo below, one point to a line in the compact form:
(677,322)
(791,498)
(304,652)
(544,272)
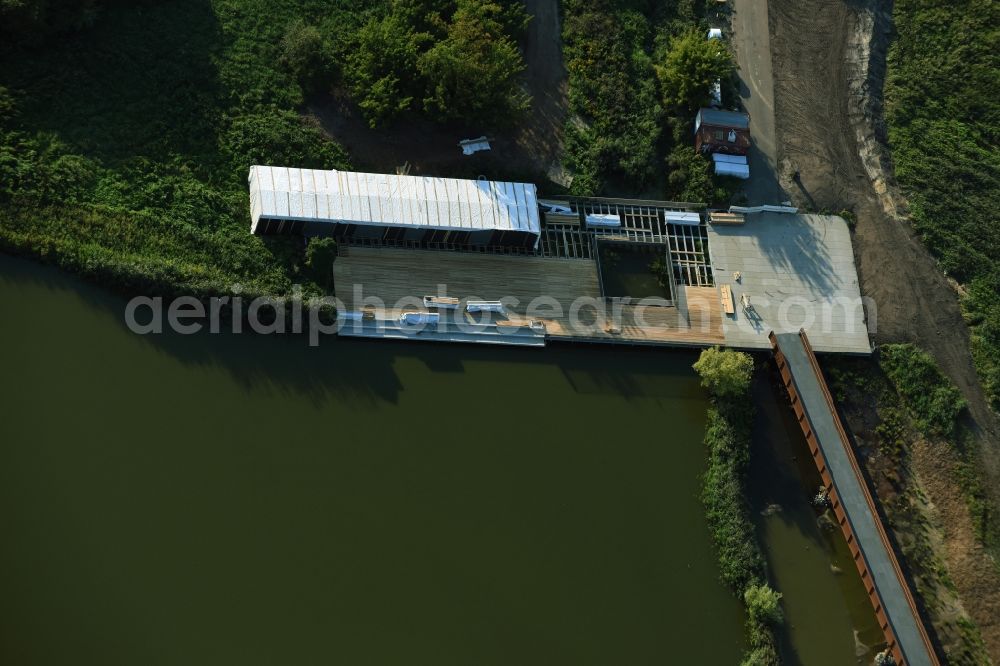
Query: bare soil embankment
(828,61)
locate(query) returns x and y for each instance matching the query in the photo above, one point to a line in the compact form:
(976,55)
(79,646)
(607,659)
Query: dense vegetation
(727,374)
(453,59)
(934,401)
(126,131)
(125,137)
(935,406)
(943,113)
(619,106)
(913,401)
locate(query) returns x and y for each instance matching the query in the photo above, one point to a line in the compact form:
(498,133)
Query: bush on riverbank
(724,373)
(727,376)
(933,401)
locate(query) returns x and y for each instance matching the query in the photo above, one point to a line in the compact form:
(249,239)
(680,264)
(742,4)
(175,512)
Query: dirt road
(545,78)
(815,137)
(752,44)
(824,115)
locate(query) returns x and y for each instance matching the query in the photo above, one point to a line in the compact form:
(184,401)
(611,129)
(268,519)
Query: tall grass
(124,144)
(943,113)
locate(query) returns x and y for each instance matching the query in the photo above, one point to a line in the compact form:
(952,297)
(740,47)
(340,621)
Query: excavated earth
(828,59)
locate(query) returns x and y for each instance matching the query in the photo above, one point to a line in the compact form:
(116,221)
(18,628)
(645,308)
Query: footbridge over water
(852,502)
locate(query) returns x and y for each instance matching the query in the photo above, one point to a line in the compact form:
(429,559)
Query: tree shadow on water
(366,372)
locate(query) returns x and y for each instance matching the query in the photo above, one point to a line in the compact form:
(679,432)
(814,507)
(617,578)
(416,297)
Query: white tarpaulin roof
(388,200)
(731,165)
(731,159)
(689,219)
(730,169)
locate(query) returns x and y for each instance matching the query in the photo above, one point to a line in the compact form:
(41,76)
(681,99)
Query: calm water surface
(829,616)
(246,499)
(220,499)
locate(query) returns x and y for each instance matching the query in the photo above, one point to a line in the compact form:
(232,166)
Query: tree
(690,176)
(692,65)
(306,54)
(381,67)
(763,604)
(473,73)
(725,372)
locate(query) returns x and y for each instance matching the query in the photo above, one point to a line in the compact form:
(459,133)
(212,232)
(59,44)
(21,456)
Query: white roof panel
(730,169)
(390,200)
(676,217)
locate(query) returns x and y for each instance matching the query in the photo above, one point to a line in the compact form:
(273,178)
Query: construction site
(487,262)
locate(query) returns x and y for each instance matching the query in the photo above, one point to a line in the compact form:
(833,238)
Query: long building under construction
(387,207)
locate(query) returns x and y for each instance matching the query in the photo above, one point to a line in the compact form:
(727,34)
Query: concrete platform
(799,272)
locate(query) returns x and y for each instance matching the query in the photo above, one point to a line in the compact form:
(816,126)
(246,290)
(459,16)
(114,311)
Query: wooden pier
(564,294)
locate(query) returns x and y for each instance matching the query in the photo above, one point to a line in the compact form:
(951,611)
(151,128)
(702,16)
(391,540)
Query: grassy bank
(726,375)
(125,141)
(943,115)
(907,418)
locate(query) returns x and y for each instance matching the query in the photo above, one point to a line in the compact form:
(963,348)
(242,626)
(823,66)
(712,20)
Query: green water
(829,616)
(630,271)
(245,499)
(242,499)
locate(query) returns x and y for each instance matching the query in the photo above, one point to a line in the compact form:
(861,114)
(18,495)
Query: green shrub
(724,372)
(690,68)
(761,656)
(306,54)
(979,307)
(280,137)
(933,401)
(472,74)
(455,60)
(381,67)
(614,128)
(763,604)
(320,254)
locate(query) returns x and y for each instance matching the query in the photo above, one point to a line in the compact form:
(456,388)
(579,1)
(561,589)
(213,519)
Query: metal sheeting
(689,219)
(736,170)
(731,165)
(390,200)
(721,118)
(732,159)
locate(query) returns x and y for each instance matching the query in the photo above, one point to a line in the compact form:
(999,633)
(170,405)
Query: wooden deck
(564,293)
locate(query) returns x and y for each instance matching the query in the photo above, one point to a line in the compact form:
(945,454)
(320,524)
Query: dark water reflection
(248,499)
